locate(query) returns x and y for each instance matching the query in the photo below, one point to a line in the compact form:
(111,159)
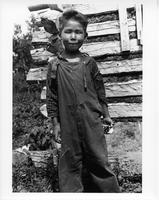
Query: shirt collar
(85,58)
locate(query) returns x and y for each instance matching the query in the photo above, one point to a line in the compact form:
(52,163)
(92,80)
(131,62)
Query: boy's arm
(100,89)
(51,92)
(106,117)
(52,99)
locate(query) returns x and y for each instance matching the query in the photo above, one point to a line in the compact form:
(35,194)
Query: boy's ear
(86,35)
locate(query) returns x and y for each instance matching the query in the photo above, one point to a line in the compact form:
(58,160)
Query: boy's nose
(73,35)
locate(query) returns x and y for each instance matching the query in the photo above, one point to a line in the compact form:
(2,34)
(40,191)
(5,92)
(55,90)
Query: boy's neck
(71,55)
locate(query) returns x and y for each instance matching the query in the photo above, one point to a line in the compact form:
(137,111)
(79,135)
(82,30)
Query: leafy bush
(26,115)
(41,138)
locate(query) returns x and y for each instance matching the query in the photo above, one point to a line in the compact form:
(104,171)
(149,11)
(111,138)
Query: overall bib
(83,148)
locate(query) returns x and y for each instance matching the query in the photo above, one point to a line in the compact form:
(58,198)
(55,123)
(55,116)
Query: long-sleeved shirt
(52,82)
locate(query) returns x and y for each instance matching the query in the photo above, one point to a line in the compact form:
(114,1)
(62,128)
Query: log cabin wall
(115,41)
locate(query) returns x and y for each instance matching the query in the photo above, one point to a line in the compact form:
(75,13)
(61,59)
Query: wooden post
(139,23)
(44,6)
(38,7)
(124,32)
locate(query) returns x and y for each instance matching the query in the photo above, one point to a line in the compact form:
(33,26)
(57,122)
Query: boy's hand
(56,133)
(107,120)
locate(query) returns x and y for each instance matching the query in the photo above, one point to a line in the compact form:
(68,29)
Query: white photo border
(150,108)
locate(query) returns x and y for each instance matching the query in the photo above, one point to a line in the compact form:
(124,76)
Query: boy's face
(72,35)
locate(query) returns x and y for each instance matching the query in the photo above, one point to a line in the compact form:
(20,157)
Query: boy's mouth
(73,44)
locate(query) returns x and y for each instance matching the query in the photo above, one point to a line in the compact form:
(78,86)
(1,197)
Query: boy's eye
(68,31)
(76,31)
(79,32)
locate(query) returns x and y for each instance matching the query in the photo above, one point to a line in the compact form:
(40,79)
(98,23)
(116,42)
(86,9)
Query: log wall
(115,41)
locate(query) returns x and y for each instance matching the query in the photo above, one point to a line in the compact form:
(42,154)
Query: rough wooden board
(38,7)
(108,27)
(37,74)
(116,110)
(96,29)
(132,160)
(113,67)
(41,158)
(47,13)
(88,9)
(120,110)
(94,49)
(101,48)
(40,36)
(43,93)
(40,54)
(124,32)
(130,88)
(108,67)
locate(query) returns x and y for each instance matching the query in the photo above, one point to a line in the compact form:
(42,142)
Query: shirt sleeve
(98,83)
(51,92)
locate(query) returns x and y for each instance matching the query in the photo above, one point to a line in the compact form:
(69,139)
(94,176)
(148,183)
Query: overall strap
(54,62)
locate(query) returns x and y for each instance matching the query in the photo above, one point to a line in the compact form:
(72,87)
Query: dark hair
(74,15)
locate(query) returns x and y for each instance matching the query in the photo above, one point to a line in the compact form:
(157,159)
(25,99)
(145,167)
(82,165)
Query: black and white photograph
(77,120)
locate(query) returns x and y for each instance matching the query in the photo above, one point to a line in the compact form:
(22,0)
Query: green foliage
(33,25)
(26,115)
(41,137)
(22,45)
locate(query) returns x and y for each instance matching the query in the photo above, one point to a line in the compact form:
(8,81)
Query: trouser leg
(96,161)
(70,173)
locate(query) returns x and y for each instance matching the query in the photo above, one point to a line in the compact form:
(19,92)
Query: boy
(75,102)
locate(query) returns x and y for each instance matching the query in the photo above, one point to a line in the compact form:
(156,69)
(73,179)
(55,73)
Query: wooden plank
(96,29)
(116,110)
(85,9)
(43,93)
(93,49)
(89,9)
(123,89)
(37,7)
(44,6)
(107,67)
(120,110)
(124,33)
(41,54)
(93,9)
(108,27)
(115,67)
(102,48)
(37,74)
(41,159)
(139,23)
(40,36)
